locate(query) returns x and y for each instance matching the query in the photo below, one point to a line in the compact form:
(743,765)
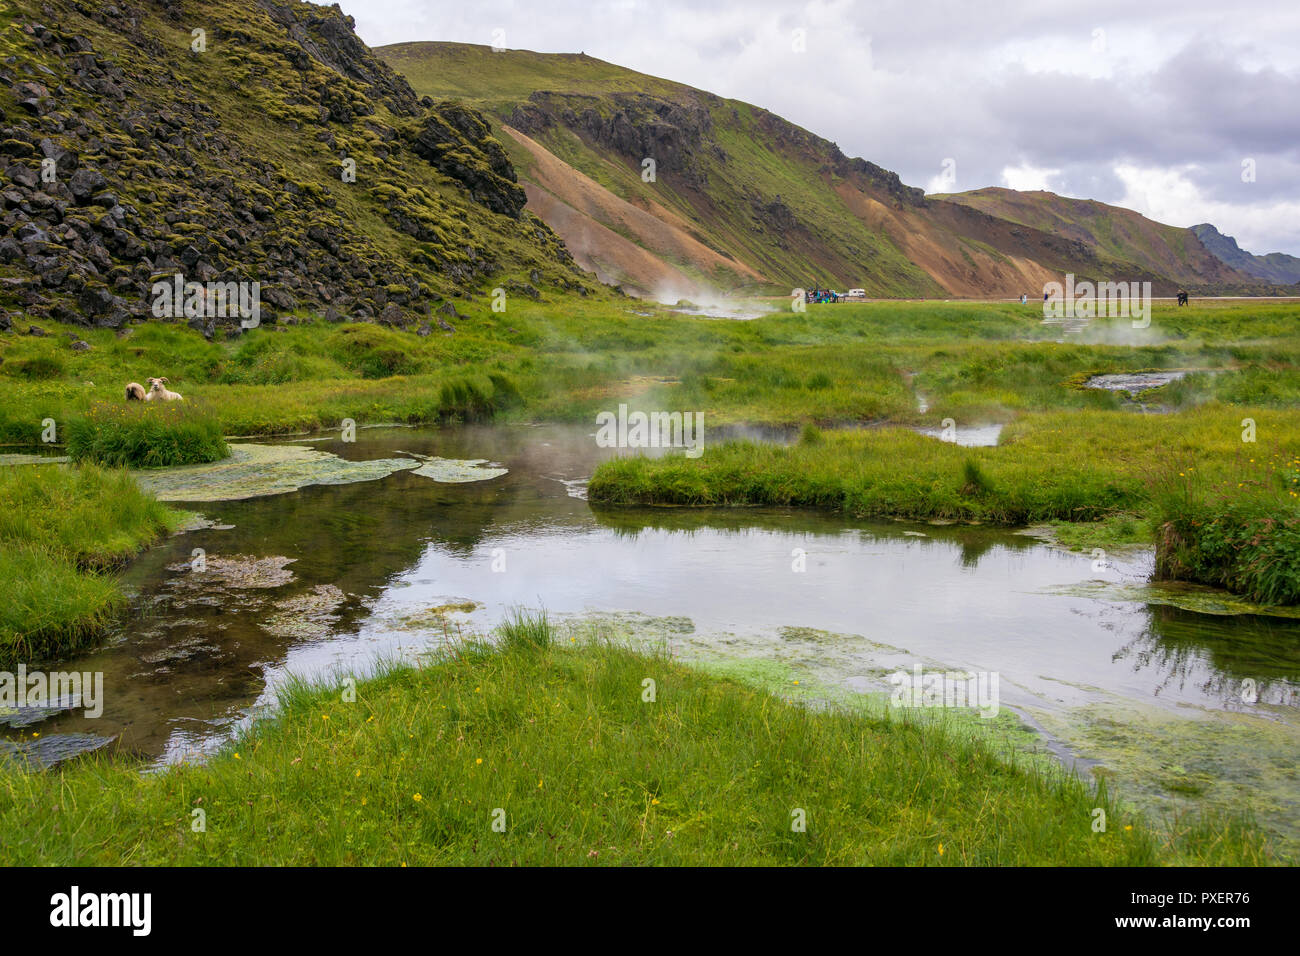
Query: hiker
(1023,298)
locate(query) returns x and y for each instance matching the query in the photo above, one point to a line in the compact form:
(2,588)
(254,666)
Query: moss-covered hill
(132,146)
(744,198)
(1118,234)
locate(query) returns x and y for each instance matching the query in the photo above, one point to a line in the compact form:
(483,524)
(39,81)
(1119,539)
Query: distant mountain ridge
(1273,267)
(1119,234)
(660,187)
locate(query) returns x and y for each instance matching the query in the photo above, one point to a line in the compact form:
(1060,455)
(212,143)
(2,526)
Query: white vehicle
(857,293)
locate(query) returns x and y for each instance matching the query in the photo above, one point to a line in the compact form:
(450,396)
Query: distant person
(1023,298)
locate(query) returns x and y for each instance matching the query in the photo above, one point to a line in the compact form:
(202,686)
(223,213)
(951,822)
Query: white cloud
(1045,91)
(1170,196)
(1026,177)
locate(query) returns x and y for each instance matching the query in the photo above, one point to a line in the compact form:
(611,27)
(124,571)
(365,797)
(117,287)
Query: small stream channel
(329,579)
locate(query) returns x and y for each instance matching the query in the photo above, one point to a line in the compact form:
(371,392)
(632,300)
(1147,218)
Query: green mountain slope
(1118,234)
(132,147)
(770,204)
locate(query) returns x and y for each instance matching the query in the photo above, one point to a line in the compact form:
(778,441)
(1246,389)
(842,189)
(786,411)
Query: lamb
(135,392)
(159,392)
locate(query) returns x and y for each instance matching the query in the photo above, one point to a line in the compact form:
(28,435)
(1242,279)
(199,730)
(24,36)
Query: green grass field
(973,362)
(548,752)
(62,532)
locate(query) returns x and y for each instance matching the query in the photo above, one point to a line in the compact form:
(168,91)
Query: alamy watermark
(53,689)
(651,430)
(977,690)
(75,908)
(1087,300)
(175,298)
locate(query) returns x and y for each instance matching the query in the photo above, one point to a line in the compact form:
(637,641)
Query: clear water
(369,560)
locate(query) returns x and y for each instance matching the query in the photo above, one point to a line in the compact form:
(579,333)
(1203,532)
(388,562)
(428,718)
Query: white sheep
(158,391)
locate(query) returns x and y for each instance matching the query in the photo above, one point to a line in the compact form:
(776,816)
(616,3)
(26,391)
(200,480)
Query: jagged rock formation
(457,141)
(272,146)
(1274,267)
(635,126)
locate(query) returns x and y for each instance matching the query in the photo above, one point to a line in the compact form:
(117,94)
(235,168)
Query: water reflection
(1239,660)
(332,576)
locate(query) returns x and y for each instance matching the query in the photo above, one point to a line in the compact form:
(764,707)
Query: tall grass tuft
(975,482)
(62,530)
(526,630)
(1240,531)
(146,436)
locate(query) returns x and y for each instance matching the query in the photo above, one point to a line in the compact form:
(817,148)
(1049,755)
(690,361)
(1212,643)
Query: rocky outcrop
(127,158)
(637,126)
(328,36)
(458,143)
(1275,267)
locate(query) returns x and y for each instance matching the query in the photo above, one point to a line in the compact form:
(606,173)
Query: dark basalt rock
(457,142)
(158,180)
(84,183)
(637,126)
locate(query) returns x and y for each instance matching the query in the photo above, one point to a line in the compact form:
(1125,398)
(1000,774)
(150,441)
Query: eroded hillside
(742,199)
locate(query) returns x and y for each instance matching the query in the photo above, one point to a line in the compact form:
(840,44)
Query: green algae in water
(812,674)
(236,571)
(1187,597)
(194,521)
(1165,763)
(455,470)
(1006,733)
(435,618)
(253,471)
(307,616)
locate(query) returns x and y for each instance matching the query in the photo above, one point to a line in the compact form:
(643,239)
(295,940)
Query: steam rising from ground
(1118,333)
(708,302)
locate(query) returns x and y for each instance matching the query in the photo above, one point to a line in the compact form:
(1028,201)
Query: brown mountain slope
(1117,233)
(638,248)
(744,200)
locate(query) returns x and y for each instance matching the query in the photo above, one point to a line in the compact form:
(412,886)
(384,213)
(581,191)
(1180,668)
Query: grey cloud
(1192,86)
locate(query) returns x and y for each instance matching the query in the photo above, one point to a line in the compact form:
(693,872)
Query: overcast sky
(1187,112)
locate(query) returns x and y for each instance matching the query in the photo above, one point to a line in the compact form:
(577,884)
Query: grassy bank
(557,746)
(142,435)
(1239,531)
(1076,466)
(1228,509)
(566,360)
(271,383)
(62,531)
